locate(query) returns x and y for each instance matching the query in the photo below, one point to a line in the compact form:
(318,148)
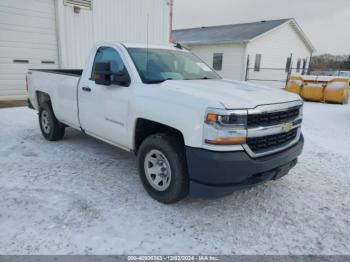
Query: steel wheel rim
(45,121)
(157,170)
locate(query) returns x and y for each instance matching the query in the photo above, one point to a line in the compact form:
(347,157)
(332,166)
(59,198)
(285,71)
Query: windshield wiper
(201,78)
(158,81)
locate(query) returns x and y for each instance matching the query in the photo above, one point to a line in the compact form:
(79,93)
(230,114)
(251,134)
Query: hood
(231,94)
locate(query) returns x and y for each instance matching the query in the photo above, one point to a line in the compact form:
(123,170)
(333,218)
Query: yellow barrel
(337,91)
(295,84)
(313,92)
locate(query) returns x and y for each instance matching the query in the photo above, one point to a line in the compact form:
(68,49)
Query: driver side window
(108,54)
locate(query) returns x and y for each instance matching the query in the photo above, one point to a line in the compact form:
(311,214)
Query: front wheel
(50,127)
(162,167)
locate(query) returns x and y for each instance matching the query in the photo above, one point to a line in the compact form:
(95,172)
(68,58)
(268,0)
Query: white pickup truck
(192,131)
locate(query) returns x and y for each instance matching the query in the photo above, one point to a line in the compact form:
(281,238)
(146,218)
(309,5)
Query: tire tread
(174,151)
(58,131)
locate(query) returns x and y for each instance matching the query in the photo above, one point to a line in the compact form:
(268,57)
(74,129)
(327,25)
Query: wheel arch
(42,98)
(145,128)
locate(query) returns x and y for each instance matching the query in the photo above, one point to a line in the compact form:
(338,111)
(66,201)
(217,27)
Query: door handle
(86,89)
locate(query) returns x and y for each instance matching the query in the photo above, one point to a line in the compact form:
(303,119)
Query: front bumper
(215,174)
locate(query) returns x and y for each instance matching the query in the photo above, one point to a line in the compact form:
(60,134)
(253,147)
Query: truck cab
(192,131)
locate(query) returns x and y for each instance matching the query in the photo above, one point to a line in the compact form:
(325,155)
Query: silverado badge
(287,127)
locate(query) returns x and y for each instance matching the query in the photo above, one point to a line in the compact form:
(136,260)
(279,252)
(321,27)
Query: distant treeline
(330,62)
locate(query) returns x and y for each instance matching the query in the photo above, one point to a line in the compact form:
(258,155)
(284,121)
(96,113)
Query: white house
(60,33)
(261,52)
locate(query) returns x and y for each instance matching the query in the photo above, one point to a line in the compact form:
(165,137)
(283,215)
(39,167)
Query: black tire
(50,127)
(173,149)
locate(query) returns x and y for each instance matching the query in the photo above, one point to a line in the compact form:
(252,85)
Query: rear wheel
(162,167)
(50,127)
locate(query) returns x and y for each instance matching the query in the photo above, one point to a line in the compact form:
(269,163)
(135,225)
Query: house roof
(234,33)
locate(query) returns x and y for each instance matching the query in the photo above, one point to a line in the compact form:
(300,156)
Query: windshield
(159,65)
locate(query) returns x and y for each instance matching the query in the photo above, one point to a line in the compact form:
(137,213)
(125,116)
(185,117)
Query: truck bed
(71,72)
(61,86)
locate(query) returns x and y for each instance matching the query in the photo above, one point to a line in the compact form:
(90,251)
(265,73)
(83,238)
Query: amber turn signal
(212,117)
(226,141)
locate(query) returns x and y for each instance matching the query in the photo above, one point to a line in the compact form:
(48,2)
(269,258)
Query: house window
(288,64)
(298,65)
(79,3)
(217,61)
(257,62)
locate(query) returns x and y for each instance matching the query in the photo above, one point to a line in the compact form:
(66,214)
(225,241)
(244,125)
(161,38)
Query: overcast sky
(325,22)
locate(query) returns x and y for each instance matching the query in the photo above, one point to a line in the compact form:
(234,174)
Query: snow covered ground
(82,196)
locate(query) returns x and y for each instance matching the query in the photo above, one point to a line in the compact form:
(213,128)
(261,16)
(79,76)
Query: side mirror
(104,76)
(102,73)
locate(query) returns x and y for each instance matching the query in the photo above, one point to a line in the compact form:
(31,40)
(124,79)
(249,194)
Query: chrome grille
(273,118)
(271,142)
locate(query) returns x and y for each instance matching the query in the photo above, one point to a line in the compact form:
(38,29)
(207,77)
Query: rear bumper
(215,174)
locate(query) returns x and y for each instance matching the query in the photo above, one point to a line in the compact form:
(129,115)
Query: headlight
(225,127)
(226,118)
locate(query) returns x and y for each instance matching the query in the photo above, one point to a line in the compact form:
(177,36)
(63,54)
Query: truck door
(103,109)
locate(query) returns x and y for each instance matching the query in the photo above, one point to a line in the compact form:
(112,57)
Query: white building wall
(233,57)
(27,40)
(275,47)
(109,21)
(126,21)
(75,35)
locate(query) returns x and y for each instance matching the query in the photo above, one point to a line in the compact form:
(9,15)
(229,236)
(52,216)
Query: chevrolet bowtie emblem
(287,127)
